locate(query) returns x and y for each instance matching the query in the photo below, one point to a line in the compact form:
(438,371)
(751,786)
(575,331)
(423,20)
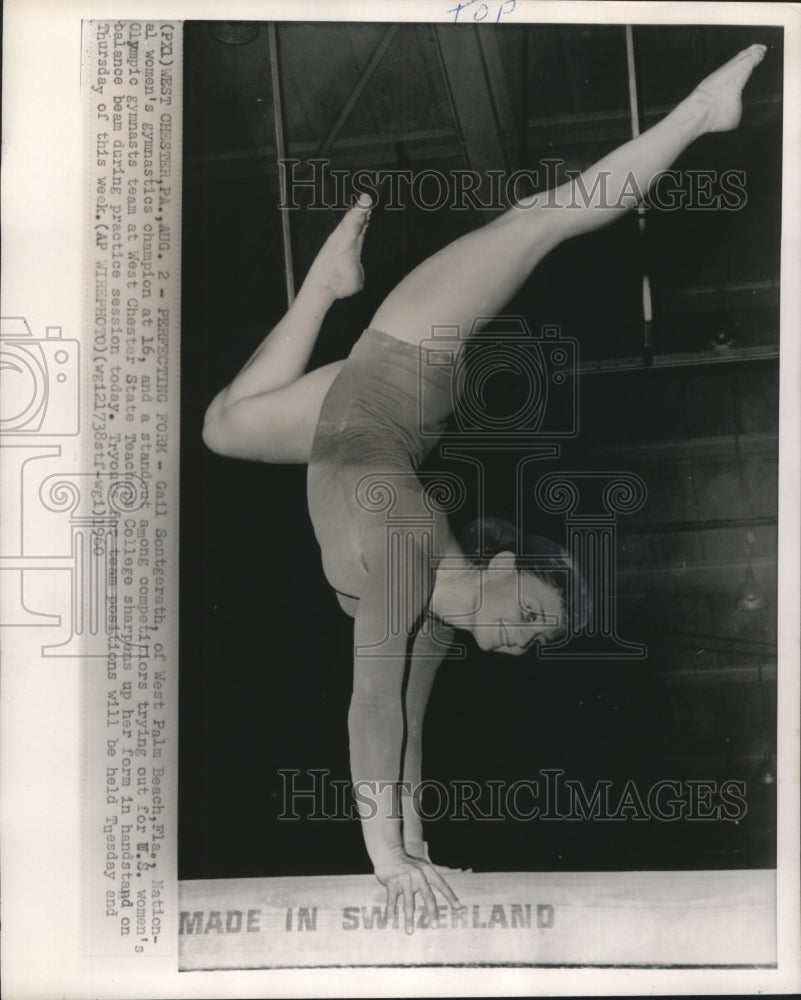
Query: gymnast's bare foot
(338,267)
(719,93)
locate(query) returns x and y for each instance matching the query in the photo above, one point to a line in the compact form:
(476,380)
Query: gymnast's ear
(502,562)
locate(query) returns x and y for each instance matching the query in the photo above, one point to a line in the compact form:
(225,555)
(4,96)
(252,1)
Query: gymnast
(360,416)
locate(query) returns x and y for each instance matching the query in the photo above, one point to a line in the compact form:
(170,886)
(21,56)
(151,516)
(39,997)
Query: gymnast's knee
(213,432)
(217,433)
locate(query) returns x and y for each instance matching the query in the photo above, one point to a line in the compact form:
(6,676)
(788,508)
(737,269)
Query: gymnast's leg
(269,412)
(479,273)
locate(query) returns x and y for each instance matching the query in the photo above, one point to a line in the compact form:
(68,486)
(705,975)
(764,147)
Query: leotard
(370,425)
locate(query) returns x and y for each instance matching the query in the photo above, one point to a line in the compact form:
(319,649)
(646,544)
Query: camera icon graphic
(40,380)
(536,391)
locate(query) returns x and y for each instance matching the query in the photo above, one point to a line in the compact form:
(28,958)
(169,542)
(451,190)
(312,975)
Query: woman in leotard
(356,424)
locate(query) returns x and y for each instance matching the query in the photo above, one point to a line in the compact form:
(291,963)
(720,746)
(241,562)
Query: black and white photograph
(479,511)
(400,551)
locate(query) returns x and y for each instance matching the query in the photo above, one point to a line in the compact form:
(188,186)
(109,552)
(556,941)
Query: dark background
(266,651)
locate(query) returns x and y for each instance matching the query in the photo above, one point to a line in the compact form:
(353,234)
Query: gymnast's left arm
(427,654)
(376,730)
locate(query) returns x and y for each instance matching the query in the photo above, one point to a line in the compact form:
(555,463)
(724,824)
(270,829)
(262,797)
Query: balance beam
(706,918)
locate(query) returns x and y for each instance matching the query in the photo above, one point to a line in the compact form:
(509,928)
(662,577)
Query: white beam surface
(684,919)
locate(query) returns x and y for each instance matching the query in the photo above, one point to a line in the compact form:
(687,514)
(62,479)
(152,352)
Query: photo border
(42,714)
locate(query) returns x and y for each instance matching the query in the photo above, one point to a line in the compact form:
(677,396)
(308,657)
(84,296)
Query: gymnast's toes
(720,91)
(338,266)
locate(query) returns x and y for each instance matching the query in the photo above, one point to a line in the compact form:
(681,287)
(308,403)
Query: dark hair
(546,559)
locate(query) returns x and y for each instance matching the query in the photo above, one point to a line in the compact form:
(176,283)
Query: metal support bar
(647,308)
(522,152)
(364,78)
(474,110)
(711,524)
(280,152)
(434,143)
(687,359)
(498,91)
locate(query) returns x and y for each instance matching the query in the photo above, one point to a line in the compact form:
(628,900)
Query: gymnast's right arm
(375,726)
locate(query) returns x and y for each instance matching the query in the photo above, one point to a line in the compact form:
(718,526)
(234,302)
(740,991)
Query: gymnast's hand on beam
(403,875)
(419,849)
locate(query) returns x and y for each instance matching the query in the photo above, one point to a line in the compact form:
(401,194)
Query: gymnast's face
(518,609)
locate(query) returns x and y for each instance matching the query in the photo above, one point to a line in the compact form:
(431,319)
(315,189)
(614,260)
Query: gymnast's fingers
(439,883)
(427,895)
(392,900)
(407,888)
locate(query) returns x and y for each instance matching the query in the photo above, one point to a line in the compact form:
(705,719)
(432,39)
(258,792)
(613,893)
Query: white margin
(40,731)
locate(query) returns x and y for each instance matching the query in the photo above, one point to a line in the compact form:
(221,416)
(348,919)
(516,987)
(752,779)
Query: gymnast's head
(522,589)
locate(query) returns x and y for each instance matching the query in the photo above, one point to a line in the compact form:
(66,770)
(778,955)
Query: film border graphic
(32,372)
